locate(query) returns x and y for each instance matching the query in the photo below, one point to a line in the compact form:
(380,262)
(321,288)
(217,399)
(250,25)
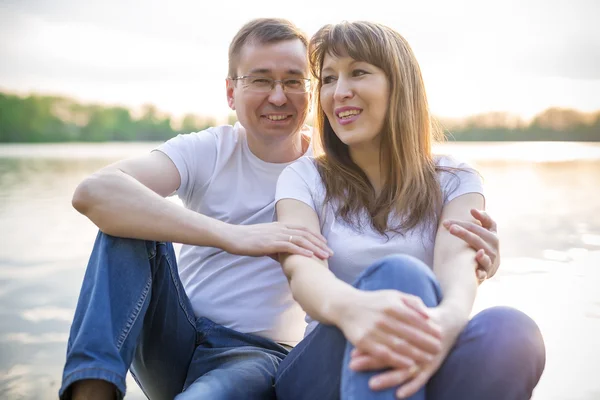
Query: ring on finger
(412,371)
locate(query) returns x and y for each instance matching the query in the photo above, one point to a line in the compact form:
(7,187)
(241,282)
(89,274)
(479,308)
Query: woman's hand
(393,328)
(411,378)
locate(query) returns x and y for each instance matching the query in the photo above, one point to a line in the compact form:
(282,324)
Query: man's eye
(260,81)
(293,82)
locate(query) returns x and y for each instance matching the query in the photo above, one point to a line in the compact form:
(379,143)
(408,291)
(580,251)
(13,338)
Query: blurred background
(516,84)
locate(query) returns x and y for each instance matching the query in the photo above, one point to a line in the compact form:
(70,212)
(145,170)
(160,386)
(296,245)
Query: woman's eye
(328,79)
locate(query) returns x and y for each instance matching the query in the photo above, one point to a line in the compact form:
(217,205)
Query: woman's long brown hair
(411,194)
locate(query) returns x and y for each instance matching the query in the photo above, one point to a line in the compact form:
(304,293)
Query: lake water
(544,197)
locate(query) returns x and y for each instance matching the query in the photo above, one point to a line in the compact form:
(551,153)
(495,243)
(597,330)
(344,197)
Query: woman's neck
(368,159)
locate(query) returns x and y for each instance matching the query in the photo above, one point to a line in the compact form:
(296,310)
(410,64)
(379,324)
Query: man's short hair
(262,31)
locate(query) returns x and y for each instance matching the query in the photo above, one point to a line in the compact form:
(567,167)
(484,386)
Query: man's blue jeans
(133,312)
(500,355)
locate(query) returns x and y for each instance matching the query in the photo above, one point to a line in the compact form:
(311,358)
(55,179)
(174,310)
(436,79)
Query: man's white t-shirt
(221,178)
(355,250)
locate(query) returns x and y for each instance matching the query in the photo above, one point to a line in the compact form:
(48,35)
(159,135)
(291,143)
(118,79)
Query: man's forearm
(121,206)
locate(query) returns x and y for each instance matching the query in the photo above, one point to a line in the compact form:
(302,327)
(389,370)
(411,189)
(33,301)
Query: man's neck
(278,150)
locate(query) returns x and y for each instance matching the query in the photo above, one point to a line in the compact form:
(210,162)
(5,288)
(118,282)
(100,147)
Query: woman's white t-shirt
(356,250)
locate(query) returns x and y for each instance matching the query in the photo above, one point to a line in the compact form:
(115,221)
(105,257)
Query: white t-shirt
(354,251)
(221,178)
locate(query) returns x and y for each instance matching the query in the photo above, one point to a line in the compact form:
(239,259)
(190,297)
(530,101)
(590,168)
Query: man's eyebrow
(265,71)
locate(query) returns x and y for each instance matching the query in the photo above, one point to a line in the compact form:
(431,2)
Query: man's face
(273,114)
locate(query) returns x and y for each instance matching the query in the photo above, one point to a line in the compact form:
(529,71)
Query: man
(217,325)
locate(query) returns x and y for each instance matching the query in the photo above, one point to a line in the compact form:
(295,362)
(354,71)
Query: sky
(477,56)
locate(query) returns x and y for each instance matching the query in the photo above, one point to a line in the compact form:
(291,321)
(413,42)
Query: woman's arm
(369,320)
(454,265)
(313,285)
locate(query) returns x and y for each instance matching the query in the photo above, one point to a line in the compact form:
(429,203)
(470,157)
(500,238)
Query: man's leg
(318,366)
(230,365)
(499,355)
(131,305)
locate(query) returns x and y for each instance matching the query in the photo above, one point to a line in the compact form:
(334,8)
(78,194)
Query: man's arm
(127,199)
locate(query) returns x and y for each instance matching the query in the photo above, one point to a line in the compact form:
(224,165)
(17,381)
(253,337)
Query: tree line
(37,119)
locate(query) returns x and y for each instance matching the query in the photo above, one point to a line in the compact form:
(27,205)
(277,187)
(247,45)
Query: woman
(381,322)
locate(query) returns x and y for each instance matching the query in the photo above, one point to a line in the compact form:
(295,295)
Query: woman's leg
(500,355)
(318,367)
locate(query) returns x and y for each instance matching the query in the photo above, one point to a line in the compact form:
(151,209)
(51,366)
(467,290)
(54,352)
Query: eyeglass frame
(307,84)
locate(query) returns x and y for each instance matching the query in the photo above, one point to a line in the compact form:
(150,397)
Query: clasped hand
(395,331)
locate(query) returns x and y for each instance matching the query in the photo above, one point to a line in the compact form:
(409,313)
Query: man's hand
(273,238)
(483,238)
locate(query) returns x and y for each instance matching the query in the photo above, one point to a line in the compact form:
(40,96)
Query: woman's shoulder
(450,162)
(305,166)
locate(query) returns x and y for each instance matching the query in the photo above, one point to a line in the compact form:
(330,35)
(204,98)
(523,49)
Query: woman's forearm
(322,296)
(454,267)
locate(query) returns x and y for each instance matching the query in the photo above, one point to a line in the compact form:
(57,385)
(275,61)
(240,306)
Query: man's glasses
(262,84)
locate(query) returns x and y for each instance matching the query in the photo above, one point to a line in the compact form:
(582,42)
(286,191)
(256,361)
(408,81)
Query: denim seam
(134,315)
(175,280)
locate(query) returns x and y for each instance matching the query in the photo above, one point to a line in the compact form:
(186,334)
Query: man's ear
(230,86)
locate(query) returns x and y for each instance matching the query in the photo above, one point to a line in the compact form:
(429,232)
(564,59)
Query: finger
(483,260)
(408,349)
(291,248)
(384,354)
(305,229)
(416,304)
(411,386)
(366,363)
(410,340)
(405,317)
(312,238)
(389,379)
(481,275)
(476,237)
(481,233)
(308,245)
(486,221)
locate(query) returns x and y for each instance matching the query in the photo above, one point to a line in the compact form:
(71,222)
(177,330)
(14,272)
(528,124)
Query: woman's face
(355,97)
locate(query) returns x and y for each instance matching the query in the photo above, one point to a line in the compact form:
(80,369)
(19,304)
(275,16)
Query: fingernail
(400,394)
(446,223)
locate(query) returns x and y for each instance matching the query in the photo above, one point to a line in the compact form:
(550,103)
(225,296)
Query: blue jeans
(133,313)
(499,355)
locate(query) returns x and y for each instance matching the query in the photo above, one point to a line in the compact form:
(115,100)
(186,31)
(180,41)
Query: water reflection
(547,211)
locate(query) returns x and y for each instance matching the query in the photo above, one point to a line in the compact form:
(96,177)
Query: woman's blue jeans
(500,355)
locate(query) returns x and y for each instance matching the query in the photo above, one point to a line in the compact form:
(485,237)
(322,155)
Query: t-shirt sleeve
(297,181)
(195,156)
(458,178)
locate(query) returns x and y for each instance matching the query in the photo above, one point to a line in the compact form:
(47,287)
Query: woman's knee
(513,338)
(401,272)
